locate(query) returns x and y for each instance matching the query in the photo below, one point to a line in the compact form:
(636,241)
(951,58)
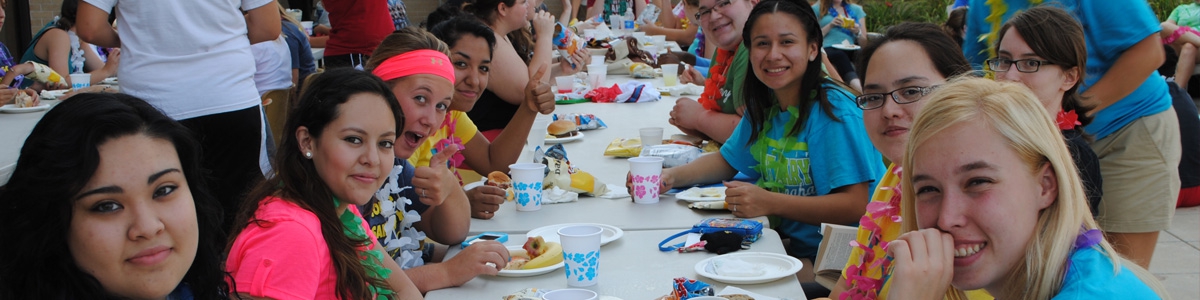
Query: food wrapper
(567,177)
(624,148)
(567,41)
(44,74)
(526,294)
(604,94)
(673,155)
(641,70)
(557,195)
(649,15)
(635,91)
(582,121)
(685,288)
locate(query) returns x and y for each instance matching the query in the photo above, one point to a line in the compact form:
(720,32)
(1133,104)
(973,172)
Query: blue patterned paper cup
(581,252)
(527,185)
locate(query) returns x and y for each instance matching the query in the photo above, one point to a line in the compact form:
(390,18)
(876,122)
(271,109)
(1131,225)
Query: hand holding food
(535,254)
(22,100)
(502,181)
(44,74)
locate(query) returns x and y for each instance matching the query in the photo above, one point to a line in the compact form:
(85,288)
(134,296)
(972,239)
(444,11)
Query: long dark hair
(484,9)
(66,15)
(1063,46)
(758,96)
(58,159)
(945,55)
(297,181)
(954,24)
(451,29)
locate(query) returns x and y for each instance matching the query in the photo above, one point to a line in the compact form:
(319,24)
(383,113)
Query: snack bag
(624,148)
(567,41)
(44,74)
(564,176)
(673,154)
(582,121)
(641,70)
(685,288)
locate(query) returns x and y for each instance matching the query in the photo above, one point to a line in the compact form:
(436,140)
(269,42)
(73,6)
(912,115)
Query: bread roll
(561,128)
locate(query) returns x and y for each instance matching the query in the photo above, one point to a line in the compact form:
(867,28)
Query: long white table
(623,120)
(631,268)
(14,128)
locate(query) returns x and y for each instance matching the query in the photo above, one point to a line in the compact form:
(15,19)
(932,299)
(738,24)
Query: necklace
(863,286)
(716,80)
(372,261)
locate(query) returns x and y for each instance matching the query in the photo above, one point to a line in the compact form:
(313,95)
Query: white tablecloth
(14,128)
(631,268)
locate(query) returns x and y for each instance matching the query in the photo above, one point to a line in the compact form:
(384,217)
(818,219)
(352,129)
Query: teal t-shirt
(825,155)
(838,34)
(1090,276)
(1186,15)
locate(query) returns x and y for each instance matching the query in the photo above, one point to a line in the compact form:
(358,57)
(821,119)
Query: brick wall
(41,12)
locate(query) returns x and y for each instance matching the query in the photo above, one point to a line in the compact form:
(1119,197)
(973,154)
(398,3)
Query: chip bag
(44,74)
(567,177)
(624,148)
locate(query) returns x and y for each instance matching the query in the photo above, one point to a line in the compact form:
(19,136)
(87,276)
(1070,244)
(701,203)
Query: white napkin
(615,192)
(557,195)
(730,290)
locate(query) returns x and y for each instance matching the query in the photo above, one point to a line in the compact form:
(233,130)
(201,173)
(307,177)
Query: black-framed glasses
(707,11)
(1023,65)
(904,95)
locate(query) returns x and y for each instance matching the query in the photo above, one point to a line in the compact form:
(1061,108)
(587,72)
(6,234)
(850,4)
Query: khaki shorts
(1140,167)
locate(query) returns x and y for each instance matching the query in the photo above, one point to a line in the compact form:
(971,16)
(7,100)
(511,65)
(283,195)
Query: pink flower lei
(862,286)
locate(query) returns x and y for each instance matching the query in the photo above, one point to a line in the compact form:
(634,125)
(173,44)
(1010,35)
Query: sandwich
(502,181)
(23,100)
(562,128)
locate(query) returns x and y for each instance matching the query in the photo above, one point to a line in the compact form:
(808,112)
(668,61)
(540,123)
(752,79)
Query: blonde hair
(286,17)
(1014,112)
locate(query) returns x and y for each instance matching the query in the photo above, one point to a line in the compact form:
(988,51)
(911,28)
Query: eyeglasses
(904,95)
(705,12)
(1023,65)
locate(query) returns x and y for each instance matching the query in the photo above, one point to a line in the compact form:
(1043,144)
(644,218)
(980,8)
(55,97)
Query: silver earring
(308,154)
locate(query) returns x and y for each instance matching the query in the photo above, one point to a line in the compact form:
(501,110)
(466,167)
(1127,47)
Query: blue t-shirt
(1090,276)
(1106,41)
(392,213)
(824,156)
(302,58)
(837,34)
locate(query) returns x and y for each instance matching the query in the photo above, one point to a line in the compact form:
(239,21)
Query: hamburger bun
(498,179)
(561,128)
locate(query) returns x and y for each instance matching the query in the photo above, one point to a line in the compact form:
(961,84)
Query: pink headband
(416,62)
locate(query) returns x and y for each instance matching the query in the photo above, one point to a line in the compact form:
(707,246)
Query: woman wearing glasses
(1051,62)
(899,70)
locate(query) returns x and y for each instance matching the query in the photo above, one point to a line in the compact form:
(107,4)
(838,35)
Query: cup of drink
(564,84)
(640,36)
(660,41)
(79,81)
(646,175)
(571,294)
(597,74)
(527,185)
(581,252)
(308,27)
(670,74)
(597,60)
(651,136)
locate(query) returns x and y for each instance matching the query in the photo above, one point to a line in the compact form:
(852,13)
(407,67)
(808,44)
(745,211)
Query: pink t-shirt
(287,260)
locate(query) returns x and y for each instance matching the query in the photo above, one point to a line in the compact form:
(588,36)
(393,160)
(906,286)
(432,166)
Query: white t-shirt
(273,64)
(188,58)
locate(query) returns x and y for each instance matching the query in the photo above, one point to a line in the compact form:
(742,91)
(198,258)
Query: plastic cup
(640,36)
(564,84)
(653,50)
(660,41)
(646,173)
(308,27)
(571,294)
(597,74)
(597,60)
(79,81)
(670,74)
(527,185)
(537,133)
(581,252)
(651,136)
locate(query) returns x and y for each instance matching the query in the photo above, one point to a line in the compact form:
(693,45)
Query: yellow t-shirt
(464,129)
(889,230)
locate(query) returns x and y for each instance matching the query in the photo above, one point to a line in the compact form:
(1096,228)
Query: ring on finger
(734,207)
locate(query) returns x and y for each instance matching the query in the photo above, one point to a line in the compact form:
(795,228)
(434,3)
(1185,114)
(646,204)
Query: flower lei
(863,286)
(716,80)
(1067,120)
(760,147)
(372,261)
(996,19)
(456,160)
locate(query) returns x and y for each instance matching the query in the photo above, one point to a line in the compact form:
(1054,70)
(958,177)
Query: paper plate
(110,81)
(13,109)
(696,194)
(52,95)
(476,184)
(550,233)
(527,273)
(774,267)
(846,46)
(578,136)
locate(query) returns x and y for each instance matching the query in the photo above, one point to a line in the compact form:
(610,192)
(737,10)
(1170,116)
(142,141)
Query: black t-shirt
(1189,136)
(491,112)
(1089,167)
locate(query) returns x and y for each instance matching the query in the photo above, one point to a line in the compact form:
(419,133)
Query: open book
(833,253)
